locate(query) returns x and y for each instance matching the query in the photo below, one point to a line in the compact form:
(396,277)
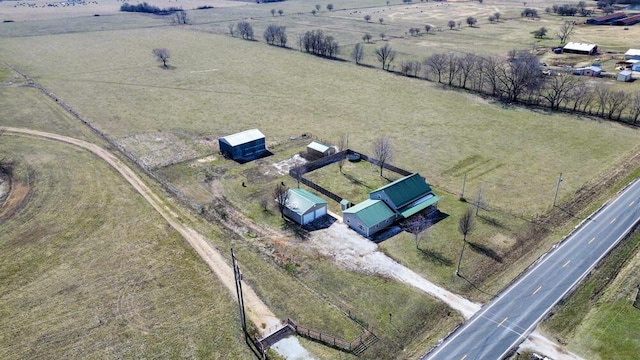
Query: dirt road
(257,311)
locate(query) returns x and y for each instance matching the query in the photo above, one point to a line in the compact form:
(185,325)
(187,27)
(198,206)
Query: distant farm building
(628,21)
(368,217)
(588,71)
(624,76)
(317,150)
(243,146)
(606,20)
(635,67)
(632,54)
(304,207)
(580,48)
(398,200)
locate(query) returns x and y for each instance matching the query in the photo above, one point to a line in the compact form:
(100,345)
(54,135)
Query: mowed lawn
(218,85)
(90,270)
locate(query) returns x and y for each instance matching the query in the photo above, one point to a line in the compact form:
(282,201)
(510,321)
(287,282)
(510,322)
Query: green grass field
(217,85)
(77,282)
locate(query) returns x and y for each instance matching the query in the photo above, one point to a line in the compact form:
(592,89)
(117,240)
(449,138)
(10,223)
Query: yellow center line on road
(631,203)
(502,322)
(567,263)
(538,289)
(612,221)
(592,239)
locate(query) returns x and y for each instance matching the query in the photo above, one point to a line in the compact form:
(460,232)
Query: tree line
(519,79)
(149,9)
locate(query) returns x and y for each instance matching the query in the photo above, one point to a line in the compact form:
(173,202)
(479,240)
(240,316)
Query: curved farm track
(13,196)
(257,311)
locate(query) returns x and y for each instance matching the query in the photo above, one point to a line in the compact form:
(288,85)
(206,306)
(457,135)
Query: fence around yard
(299,171)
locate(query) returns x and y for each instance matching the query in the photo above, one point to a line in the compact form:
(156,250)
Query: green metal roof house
(368,217)
(407,196)
(304,207)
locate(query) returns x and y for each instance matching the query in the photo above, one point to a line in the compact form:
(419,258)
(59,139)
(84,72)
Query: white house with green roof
(368,217)
(304,207)
(407,196)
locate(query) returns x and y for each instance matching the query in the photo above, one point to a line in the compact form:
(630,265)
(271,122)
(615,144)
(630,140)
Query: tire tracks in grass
(257,311)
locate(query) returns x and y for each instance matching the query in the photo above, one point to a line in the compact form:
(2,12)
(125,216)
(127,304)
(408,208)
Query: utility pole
(464,242)
(555,197)
(238,278)
(464,183)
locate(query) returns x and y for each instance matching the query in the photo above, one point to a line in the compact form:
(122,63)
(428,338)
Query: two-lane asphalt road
(506,321)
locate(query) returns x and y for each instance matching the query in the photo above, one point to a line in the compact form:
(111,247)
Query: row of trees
(521,80)
(317,43)
(276,35)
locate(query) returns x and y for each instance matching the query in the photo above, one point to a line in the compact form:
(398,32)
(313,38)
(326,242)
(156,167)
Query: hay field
(89,270)
(219,85)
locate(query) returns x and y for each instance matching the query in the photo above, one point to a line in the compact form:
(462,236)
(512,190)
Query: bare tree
(381,20)
(330,7)
(367,18)
(232,28)
(520,75)
(246,30)
(566,29)
(383,151)
(280,12)
(275,34)
(452,66)
(417,225)
(634,107)
(465,227)
(616,103)
(451,24)
(497,16)
(318,7)
(578,95)
(427,28)
(180,17)
(314,12)
(162,55)
(385,55)
(358,53)
(382,36)
(281,195)
(437,63)
(273,12)
(342,146)
(467,66)
(557,90)
(601,92)
(367,37)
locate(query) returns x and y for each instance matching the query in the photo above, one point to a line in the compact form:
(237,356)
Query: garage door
(308,218)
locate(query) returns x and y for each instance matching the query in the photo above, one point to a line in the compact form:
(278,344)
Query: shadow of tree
(493,222)
(474,286)
(356,181)
(479,248)
(296,229)
(436,257)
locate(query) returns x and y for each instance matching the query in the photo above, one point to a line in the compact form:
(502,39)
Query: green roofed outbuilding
(304,207)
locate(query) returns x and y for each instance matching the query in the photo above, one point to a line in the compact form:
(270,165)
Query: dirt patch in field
(158,149)
(13,196)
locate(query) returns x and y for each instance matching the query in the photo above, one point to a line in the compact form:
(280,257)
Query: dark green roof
(405,190)
(371,212)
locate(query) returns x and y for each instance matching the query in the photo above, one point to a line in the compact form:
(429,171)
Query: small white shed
(624,76)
